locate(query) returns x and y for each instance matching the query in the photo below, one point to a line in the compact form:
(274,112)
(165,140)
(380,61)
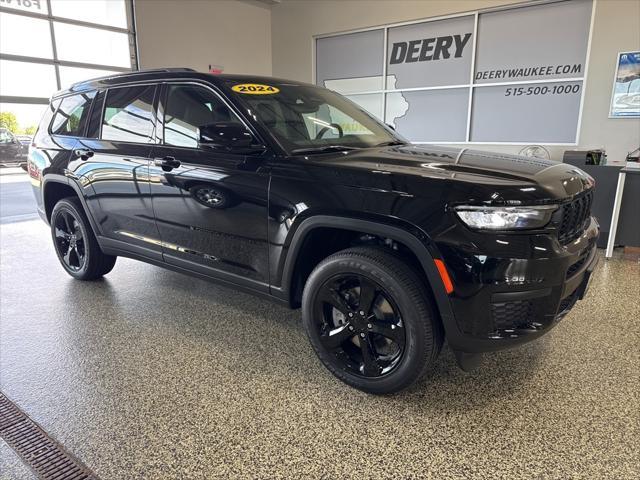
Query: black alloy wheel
(212,196)
(209,197)
(69,240)
(370,319)
(360,324)
(75,243)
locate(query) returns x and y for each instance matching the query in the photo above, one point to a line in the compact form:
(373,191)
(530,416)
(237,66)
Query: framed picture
(625,97)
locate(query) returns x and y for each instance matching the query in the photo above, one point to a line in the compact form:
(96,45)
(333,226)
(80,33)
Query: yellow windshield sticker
(255,89)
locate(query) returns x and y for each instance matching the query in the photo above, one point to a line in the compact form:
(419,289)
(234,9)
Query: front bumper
(503,301)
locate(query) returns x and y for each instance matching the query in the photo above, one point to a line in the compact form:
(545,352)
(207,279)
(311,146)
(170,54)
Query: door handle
(83,153)
(167,163)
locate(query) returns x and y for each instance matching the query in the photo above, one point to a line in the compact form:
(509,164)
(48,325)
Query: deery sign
(429,49)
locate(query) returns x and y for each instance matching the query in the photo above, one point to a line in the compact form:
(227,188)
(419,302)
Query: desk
(617,202)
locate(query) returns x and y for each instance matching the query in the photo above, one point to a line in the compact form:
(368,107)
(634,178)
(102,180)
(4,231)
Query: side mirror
(225,136)
(25,167)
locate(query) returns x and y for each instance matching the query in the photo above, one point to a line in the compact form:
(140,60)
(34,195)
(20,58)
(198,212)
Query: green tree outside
(9,121)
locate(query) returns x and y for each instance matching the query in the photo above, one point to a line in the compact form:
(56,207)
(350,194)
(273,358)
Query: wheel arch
(415,241)
(55,188)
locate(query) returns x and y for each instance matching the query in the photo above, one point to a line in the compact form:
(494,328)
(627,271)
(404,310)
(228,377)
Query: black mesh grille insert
(573,218)
(44,455)
(510,315)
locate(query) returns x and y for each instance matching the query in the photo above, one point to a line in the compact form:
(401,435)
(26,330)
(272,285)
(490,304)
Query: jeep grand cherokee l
(294,193)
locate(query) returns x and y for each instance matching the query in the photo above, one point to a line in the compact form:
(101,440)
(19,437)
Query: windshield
(304,119)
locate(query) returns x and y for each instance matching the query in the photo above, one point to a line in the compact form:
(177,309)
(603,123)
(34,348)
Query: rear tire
(75,243)
(370,320)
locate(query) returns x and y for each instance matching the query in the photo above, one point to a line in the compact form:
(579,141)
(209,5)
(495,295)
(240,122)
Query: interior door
(210,206)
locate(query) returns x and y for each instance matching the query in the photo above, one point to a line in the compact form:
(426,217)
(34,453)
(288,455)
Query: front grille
(511,315)
(574,217)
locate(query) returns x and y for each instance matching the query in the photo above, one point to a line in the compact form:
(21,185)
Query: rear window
(43,126)
(71,117)
(128,114)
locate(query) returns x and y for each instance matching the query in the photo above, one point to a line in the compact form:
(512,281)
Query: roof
(168,73)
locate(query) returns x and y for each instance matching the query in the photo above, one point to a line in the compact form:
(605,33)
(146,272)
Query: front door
(210,206)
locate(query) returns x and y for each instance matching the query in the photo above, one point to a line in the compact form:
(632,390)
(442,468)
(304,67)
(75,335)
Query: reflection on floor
(151,374)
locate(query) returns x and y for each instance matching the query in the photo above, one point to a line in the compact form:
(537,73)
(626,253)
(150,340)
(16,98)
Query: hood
(512,177)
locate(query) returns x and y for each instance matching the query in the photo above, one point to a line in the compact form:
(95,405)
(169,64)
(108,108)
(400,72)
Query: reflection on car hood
(559,180)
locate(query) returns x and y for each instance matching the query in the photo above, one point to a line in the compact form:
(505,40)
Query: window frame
(99,92)
(130,30)
(472,85)
(162,103)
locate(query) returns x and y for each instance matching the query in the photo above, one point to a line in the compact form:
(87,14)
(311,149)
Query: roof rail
(168,69)
(136,72)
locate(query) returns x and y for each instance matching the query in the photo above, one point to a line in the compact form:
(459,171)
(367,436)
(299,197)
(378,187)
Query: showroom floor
(151,374)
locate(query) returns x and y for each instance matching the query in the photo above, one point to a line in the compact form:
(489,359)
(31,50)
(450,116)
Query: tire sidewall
(70,207)
(418,330)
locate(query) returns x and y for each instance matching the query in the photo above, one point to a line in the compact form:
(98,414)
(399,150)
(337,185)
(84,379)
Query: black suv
(293,192)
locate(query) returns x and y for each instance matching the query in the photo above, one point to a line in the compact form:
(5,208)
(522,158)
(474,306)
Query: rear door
(115,165)
(210,206)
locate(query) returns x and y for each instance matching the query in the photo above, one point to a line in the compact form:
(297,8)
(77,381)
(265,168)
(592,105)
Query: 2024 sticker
(255,89)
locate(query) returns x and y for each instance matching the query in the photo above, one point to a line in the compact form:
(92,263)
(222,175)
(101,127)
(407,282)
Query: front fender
(413,238)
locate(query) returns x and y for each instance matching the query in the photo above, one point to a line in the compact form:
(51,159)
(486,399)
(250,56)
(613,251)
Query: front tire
(370,320)
(75,243)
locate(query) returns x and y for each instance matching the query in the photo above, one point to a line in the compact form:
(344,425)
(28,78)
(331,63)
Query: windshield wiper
(325,149)
(391,143)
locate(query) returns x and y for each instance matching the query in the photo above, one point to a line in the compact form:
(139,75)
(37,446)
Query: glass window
(71,75)
(104,12)
(188,109)
(303,117)
(6,136)
(91,45)
(430,115)
(20,118)
(371,102)
(30,37)
(417,55)
(351,63)
(23,79)
(128,114)
(33,6)
(71,117)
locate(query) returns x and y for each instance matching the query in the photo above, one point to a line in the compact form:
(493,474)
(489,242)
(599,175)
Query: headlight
(505,218)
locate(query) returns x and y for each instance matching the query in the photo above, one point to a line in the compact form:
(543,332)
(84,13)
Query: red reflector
(444,275)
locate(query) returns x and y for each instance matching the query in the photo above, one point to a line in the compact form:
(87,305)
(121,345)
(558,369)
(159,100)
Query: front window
(188,109)
(306,118)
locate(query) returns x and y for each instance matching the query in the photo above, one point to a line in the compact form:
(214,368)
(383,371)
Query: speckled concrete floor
(150,374)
